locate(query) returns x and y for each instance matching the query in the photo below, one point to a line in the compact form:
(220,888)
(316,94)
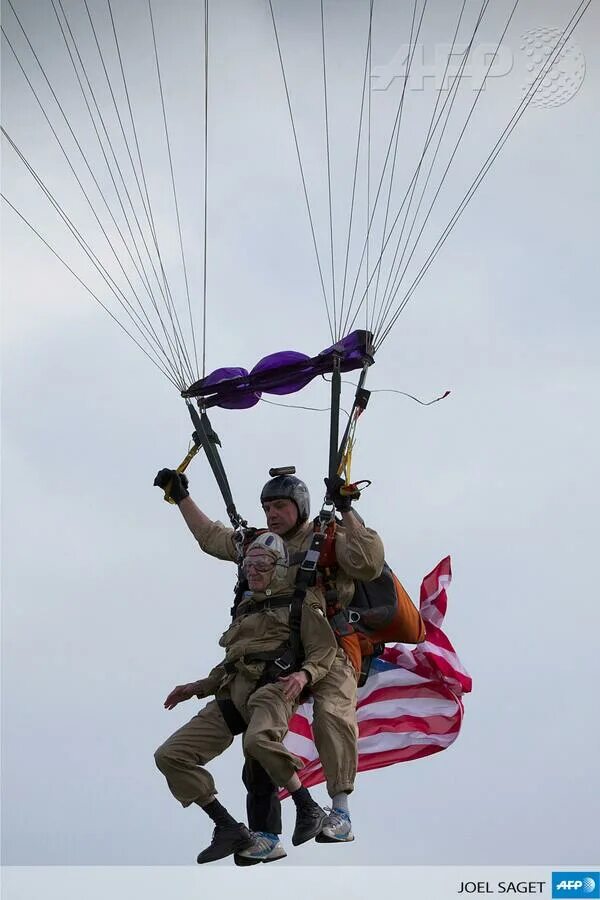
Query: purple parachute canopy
(280,373)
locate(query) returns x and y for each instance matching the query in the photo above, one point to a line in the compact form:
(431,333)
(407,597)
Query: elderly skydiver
(251,689)
(359,554)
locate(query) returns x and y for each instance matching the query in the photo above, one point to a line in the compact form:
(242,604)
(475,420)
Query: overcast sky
(107,601)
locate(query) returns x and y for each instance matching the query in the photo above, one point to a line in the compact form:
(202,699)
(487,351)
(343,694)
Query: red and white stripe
(411,704)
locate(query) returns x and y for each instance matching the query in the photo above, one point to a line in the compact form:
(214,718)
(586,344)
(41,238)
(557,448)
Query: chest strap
(280,661)
(268,603)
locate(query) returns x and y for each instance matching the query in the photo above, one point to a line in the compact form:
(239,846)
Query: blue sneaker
(265,848)
(337,828)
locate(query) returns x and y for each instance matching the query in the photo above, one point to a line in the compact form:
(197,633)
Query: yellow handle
(181,468)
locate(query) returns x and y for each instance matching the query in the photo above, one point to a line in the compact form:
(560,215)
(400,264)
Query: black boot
(310,819)
(226,839)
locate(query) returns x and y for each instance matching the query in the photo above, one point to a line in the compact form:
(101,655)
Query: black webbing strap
(336,449)
(268,603)
(334,421)
(279,662)
(304,579)
(209,440)
(231,714)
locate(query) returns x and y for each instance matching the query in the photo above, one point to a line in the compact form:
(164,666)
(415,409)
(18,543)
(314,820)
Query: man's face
(258,568)
(282,515)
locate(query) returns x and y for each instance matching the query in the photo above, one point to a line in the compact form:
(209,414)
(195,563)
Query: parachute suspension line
(146,203)
(376,200)
(69,163)
(356,159)
(209,440)
(576,17)
(122,299)
(185,275)
(449,100)
(145,195)
(206,47)
(399,276)
(143,278)
(78,180)
(305,189)
(110,144)
(84,285)
(395,156)
(384,308)
(326,106)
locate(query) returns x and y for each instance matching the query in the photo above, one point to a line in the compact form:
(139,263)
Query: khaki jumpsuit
(265,709)
(359,555)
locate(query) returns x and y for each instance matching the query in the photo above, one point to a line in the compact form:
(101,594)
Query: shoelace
(261,842)
(337,817)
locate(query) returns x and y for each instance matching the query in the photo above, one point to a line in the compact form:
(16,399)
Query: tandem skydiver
(252,696)
(359,555)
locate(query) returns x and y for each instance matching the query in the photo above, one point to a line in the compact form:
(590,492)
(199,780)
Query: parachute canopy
(280,373)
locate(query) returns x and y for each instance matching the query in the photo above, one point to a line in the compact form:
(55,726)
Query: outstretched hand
(180,693)
(293,684)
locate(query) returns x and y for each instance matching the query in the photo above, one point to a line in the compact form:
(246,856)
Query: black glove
(341,502)
(176,482)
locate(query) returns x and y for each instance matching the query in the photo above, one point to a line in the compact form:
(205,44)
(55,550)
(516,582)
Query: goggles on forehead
(263,563)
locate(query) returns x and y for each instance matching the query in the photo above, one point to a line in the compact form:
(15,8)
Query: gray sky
(107,603)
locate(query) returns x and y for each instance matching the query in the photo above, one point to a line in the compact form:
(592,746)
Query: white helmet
(274,546)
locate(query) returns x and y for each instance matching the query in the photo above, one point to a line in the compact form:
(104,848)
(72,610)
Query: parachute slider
(282,470)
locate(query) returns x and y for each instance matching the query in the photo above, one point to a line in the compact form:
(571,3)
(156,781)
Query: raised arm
(359,550)
(214,538)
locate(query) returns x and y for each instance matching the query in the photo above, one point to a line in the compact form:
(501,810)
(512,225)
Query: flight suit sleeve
(217,540)
(208,686)
(318,640)
(360,552)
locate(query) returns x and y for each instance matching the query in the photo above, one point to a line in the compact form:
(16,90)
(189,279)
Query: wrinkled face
(282,515)
(258,568)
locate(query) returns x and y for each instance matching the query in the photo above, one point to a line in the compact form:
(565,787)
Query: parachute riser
(334,422)
(204,436)
(340,457)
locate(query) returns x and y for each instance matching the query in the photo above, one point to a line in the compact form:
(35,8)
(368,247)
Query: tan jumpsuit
(359,555)
(266,710)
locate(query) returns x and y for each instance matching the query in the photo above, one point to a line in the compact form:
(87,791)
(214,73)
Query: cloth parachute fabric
(280,373)
(411,704)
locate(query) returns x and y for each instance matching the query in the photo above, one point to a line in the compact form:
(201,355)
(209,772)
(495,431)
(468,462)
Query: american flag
(411,704)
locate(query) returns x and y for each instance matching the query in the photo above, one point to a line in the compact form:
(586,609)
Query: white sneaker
(337,828)
(265,848)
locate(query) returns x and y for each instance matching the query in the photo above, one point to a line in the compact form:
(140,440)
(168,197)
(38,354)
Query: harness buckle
(341,625)
(281,664)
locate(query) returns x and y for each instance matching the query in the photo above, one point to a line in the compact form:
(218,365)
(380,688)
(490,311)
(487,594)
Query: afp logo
(576,884)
